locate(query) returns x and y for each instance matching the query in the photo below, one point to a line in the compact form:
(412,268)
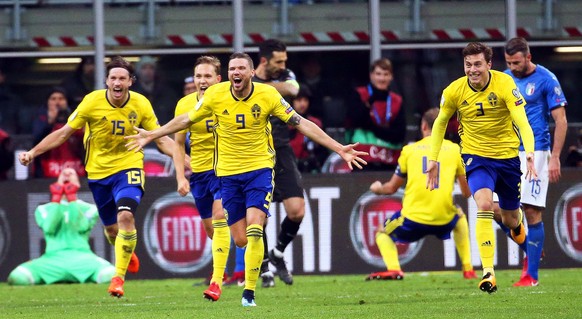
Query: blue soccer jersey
(543,93)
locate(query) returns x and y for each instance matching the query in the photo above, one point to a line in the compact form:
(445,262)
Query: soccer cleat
(268,279)
(519,235)
(488,283)
(116,287)
(213,292)
(526,281)
(470,274)
(133,266)
(281,266)
(237,278)
(386,275)
(248,298)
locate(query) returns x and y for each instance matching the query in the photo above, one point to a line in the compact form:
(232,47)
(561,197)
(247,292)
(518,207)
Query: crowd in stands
(372,112)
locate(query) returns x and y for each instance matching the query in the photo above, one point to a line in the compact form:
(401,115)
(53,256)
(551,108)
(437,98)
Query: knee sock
(485,240)
(253,255)
(110,240)
(388,251)
(240,259)
(535,245)
(124,246)
(461,238)
(220,249)
(289,230)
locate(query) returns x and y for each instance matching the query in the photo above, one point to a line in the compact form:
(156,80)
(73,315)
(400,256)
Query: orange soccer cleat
(133,266)
(386,275)
(526,281)
(488,283)
(470,274)
(116,287)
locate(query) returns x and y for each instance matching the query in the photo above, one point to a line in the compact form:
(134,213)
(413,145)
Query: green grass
(419,295)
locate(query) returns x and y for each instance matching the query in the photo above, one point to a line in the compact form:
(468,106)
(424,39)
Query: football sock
(289,230)
(485,239)
(265,260)
(124,247)
(220,249)
(535,245)
(461,238)
(240,259)
(388,251)
(253,255)
(110,239)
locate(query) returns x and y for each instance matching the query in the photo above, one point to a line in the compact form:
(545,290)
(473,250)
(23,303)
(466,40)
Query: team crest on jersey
(557,90)
(256,111)
(132,118)
(530,89)
(492,98)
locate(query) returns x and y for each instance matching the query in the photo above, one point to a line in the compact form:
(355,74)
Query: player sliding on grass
(116,176)
(424,212)
(244,153)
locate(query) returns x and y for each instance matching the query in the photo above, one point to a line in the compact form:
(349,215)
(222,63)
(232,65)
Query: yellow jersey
(490,119)
(420,204)
(201,136)
(106,127)
(243,141)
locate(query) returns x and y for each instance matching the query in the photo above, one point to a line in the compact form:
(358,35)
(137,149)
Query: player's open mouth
(237,80)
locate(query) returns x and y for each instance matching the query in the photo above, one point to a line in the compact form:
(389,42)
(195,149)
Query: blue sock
(535,245)
(507,231)
(240,259)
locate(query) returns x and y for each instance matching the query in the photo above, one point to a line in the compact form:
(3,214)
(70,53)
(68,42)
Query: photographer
(50,118)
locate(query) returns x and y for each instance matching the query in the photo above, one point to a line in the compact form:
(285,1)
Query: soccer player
(490,112)
(116,176)
(245,155)
(66,223)
(543,94)
(203,183)
(424,212)
(272,70)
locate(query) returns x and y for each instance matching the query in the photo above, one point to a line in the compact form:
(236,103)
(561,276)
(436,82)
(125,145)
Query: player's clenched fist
(25,158)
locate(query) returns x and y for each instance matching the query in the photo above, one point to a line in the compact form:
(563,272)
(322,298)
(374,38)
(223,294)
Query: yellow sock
(461,238)
(110,239)
(124,247)
(388,251)
(220,249)
(485,239)
(253,255)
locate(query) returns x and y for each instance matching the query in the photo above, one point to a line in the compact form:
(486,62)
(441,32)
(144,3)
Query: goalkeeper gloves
(70,190)
(57,191)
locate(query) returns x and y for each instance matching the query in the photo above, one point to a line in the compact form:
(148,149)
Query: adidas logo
(225,112)
(104,118)
(219,250)
(464,103)
(487,244)
(256,269)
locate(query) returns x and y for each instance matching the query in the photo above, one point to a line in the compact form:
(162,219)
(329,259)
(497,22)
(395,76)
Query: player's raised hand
(431,175)
(25,158)
(352,156)
(138,141)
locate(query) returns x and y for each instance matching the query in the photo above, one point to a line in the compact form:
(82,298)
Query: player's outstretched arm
(316,134)
(389,187)
(143,137)
(48,143)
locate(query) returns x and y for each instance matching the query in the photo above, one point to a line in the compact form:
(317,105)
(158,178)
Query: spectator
(310,155)
(50,118)
(10,104)
(6,154)
(574,158)
(189,86)
(375,116)
(66,223)
(81,82)
(151,84)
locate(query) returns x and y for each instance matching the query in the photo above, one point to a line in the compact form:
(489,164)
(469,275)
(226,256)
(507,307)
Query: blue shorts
(108,191)
(205,187)
(404,230)
(502,176)
(241,191)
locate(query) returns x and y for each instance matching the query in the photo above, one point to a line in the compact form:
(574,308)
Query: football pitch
(419,295)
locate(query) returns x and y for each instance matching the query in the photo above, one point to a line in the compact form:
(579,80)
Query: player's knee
(20,277)
(241,242)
